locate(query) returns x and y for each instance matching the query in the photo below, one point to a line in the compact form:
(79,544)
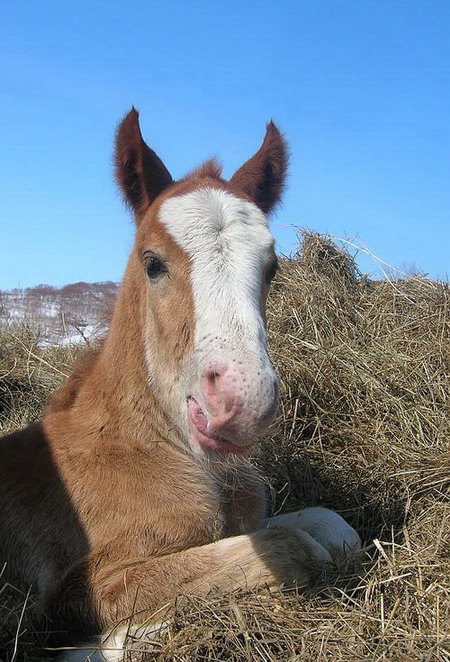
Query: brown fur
(65,396)
(263,176)
(140,172)
(104,508)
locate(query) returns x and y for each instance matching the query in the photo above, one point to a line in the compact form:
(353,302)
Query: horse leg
(143,590)
(327,527)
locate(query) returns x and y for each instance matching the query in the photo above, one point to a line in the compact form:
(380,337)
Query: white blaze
(228,242)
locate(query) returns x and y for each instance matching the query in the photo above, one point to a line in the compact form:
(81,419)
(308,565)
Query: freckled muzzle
(233,404)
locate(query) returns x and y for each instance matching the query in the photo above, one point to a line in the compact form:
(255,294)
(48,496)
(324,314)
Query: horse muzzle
(232,407)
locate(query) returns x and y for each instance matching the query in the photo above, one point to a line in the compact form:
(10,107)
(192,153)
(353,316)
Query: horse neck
(116,397)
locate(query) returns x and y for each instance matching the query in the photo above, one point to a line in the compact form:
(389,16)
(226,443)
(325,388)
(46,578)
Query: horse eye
(271,271)
(155,267)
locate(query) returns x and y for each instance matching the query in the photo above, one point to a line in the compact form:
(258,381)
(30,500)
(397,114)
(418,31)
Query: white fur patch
(324,525)
(228,242)
(112,646)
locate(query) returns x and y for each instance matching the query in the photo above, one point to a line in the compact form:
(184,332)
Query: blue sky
(360,88)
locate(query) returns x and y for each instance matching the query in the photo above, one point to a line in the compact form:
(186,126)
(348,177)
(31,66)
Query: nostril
(276,386)
(213,386)
(213,373)
(212,376)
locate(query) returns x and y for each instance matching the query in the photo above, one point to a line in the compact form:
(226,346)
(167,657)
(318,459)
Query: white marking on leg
(324,525)
(112,645)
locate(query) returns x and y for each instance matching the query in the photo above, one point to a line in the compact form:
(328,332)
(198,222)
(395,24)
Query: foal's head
(202,264)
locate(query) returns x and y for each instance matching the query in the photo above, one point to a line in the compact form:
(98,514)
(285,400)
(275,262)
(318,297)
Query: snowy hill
(74,313)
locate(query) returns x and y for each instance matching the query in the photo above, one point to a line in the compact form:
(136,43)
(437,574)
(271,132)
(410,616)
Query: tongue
(197,417)
(198,420)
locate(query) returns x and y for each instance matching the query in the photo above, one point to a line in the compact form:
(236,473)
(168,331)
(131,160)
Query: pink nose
(219,390)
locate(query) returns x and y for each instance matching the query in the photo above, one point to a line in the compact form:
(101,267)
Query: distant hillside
(73,313)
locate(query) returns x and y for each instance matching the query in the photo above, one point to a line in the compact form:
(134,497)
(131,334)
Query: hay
(29,372)
(363,429)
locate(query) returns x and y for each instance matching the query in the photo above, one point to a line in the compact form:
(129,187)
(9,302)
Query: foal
(134,488)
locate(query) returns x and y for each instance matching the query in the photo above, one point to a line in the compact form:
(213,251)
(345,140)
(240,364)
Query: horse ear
(141,174)
(263,176)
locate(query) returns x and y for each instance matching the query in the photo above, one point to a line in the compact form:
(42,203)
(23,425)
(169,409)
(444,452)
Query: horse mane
(64,397)
(211,168)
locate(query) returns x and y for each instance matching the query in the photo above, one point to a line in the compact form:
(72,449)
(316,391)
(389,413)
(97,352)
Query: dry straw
(363,429)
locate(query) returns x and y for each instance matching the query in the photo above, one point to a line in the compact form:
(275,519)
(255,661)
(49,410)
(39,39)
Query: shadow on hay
(375,505)
(35,491)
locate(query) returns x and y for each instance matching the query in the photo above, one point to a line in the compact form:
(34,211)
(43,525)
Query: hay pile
(364,429)
(29,373)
